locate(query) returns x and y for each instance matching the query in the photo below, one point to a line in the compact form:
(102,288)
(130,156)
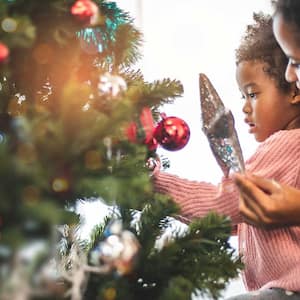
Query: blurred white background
(181,40)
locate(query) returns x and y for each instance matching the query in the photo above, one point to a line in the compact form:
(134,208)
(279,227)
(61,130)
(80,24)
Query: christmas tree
(77,121)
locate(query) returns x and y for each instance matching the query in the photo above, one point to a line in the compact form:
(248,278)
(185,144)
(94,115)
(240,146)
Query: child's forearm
(196,199)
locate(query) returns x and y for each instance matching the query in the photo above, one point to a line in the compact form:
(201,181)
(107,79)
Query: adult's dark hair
(259,44)
(289,9)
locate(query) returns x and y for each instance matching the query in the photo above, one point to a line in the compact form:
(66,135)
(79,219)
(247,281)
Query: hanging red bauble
(143,130)
(85,11)
(4,52)
(172,133)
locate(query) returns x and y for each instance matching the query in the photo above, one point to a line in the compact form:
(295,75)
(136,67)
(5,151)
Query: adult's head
(286,27)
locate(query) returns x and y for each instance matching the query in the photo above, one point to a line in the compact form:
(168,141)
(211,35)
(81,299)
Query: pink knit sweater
(271,257)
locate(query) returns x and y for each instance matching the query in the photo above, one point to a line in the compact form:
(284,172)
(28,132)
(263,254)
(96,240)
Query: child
(264,203)
(271,258)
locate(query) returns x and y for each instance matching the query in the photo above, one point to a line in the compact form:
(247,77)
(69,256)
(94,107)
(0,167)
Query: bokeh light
(9,25)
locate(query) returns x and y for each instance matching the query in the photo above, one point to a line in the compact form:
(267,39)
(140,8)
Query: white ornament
(111,85)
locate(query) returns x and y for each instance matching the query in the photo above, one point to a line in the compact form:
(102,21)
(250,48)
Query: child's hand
(153,165)
(266,203)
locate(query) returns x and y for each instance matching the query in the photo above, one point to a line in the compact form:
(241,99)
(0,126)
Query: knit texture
(271,257)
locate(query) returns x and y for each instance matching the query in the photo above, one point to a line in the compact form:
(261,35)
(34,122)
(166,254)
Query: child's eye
(251,96)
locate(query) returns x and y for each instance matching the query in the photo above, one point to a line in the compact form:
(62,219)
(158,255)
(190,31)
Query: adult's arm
(267,203)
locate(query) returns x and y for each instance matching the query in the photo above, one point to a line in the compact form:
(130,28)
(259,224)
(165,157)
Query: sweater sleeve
(277,158)
(196,199)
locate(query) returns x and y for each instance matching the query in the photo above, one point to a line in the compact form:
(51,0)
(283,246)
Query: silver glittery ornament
(119,250)
(218,126)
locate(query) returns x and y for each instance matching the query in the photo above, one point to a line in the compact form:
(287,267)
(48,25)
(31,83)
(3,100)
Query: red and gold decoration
(172,133)
(143,130)
(86,11)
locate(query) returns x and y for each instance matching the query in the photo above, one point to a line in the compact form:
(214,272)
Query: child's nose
(290,73)
(247,107)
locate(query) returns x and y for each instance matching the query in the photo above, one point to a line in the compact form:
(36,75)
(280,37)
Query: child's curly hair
(259,43)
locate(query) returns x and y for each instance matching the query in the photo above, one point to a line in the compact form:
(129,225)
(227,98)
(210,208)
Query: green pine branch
(127,50)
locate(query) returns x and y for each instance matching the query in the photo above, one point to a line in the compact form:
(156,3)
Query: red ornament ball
(172,133)
(4,52)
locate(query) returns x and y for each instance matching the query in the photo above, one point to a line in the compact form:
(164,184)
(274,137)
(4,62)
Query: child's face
(267,109)
(286,35)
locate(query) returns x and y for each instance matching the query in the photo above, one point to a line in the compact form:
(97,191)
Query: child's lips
(251,126)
